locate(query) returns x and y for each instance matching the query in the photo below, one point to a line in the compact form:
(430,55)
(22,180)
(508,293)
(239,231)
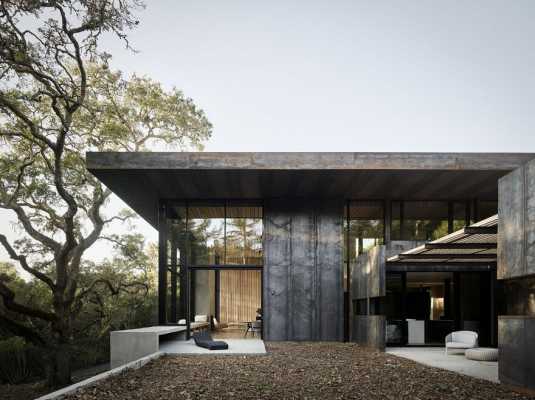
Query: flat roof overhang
(142,179)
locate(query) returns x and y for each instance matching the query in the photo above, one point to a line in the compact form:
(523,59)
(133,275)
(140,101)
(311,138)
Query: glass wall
(486,209)
(364,226)
(244,235)
(461,215)
(207,234)
(214,234)
(419,220)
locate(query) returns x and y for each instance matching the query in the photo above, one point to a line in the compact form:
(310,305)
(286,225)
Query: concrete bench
(132,344)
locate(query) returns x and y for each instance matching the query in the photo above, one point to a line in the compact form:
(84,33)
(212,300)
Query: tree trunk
(59,367)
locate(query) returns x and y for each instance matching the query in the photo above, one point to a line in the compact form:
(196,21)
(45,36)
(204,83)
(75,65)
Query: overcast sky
(345,75)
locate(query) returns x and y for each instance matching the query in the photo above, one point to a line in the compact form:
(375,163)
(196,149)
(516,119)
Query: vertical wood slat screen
(240,294)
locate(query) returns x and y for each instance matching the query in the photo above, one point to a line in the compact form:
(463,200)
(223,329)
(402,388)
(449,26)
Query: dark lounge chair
(204,339)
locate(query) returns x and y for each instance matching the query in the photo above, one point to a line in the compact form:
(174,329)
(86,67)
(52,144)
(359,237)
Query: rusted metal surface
(303,292)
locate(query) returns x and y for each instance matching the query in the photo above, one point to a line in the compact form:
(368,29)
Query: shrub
(13,361)
(19,361)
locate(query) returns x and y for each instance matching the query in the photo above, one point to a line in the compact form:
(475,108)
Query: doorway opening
(226,300)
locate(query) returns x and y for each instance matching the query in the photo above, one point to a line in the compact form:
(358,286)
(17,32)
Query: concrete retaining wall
(58,394)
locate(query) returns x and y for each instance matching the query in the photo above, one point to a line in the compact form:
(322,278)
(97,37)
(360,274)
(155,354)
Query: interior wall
(240,295)
(204,293)
(303,270)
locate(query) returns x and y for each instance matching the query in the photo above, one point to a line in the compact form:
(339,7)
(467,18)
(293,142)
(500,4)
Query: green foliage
(58,100)
(19,361)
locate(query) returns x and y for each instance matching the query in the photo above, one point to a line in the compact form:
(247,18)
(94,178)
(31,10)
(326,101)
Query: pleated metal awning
(476,243)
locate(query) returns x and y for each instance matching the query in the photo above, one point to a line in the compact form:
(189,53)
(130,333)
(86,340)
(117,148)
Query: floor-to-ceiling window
(364,228)
(210,244)
(421,308)
(419,220)
(365,225)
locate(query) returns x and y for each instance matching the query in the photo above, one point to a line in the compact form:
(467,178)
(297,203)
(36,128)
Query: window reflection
(176,235)
(459,215)
(366,226)
(487,209)
(419,220)
(244,235)
(206,235)
(214,234)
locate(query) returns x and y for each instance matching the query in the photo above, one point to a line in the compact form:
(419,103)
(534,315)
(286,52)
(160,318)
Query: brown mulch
(294,370)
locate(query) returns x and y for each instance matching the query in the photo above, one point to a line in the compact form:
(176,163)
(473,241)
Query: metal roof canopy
(142,179)
(476,243)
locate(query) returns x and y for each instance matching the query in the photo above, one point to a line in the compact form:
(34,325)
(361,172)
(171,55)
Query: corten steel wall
(369,331)
(516,262)
(368,275)
(303,270)
(368,281)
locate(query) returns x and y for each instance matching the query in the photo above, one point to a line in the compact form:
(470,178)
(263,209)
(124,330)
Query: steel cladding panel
(511,225)
(516,229)
(303,291)
(302,273)
(329,260)
(517,350)
(530,217)
(369,331)
(277,250)
(368,274)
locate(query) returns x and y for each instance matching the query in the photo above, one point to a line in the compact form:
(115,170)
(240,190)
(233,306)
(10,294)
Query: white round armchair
(461,340)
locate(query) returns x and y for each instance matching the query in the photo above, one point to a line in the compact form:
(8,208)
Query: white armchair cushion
(461,340)
(201,318)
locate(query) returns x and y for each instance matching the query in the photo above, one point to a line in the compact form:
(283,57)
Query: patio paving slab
(235,346)
(454,361)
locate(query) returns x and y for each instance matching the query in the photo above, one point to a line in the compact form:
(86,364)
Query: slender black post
(468,213)
(475,210)
(173,316)
(347,295)
(493,313)
(185,278)
(457,300)
(404,307)
(402,220)
(187,295)
(162,265)
(447,298)
(191,286)
(387,220)
(217,294)
(451,217)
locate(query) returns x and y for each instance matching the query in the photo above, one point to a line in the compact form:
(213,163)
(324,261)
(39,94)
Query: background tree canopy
(59,99)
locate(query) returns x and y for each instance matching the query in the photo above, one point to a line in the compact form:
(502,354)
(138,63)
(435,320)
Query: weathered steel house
(344,246)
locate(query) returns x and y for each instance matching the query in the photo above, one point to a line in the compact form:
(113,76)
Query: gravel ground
(294,370)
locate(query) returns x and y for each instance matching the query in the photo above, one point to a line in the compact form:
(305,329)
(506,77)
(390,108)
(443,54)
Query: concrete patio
(235,346)
(454,361)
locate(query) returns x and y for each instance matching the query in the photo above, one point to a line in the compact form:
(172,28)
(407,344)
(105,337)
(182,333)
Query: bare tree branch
(8,297)
(24,263)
